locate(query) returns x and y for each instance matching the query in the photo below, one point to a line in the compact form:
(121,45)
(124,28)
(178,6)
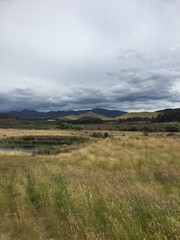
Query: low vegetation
(124,186)
(66,125)
(173,128)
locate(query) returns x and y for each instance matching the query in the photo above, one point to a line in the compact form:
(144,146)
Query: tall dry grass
(123,187)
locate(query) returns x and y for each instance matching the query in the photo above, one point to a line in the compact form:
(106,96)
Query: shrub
(134,129)
(100,135)
(106,134)
(64,125)
(148,129)
(173,128)
(88,120)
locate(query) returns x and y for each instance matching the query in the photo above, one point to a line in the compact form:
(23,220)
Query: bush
(134,129)
(100,135)
(173,128)
(88,120)
(148,129)
(64,125)
(106,134)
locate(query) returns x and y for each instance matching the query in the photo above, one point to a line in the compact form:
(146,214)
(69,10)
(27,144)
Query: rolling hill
(138,115)
(88,114)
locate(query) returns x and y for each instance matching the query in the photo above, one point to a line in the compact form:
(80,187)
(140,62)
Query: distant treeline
(6,116)
(84,120)
(136,119)
(171,116)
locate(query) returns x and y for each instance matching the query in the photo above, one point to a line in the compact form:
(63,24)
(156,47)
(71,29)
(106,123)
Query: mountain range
(30,114)
(102,113)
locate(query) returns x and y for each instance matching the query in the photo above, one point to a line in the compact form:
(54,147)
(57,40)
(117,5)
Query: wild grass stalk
(123,187)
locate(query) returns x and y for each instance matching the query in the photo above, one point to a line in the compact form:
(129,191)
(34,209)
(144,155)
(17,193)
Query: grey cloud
(151,79)
(146,87)
(55,54)
(91,97)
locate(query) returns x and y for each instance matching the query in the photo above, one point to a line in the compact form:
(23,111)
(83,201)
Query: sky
(81,54)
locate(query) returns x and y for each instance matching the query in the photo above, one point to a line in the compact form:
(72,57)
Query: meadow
(123,187)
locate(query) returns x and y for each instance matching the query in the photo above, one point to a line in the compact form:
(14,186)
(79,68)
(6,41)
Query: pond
(17,150)
(39,144)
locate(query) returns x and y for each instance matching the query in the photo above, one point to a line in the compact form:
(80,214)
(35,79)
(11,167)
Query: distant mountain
(26,114)
(108,113)
(30,114)
(6,116)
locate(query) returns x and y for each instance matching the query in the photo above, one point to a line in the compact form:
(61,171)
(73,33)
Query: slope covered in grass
(88,114)
(139,115)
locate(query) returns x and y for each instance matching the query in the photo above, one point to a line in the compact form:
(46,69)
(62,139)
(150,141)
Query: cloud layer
(62,55)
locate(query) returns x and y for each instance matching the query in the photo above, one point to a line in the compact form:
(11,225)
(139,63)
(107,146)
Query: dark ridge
(169,110)
(108,113)
(169,115)
(32,114)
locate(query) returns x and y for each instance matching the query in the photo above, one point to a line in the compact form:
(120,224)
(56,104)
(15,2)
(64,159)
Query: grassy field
(123,187)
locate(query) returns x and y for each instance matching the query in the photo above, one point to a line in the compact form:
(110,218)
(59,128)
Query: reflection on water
(42,145)
(16,150)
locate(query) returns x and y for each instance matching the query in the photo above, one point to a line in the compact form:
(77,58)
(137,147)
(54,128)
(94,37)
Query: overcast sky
(79,54)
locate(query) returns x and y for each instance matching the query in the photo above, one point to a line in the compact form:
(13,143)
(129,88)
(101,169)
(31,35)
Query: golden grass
(89,114)
(122,187)
(139,114)
(20,132)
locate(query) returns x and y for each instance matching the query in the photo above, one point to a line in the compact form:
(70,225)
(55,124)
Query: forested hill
(169,115)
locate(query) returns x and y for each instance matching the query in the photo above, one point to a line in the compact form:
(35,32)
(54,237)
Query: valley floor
(123,187)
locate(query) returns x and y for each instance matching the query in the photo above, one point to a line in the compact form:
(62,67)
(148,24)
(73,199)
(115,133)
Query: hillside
(139,115)
(169,115)
(88,114)
(94,115)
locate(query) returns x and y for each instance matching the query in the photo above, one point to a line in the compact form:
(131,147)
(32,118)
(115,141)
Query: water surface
(16,150)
